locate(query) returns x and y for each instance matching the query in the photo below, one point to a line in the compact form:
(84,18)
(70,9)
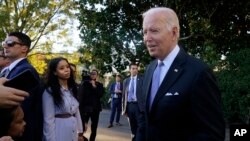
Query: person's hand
(125,114)
(118,91)
(3,80)
(80,138)
(93,83)
(6,138)
(11,97)
(85,127)
(110,99)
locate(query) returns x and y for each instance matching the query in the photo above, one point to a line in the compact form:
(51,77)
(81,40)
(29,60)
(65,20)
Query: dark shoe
(118,124)
(110,125)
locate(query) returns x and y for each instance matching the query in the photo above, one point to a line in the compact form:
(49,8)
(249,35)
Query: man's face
(157,38)
(13,48)
(93,75)
(133,70)
(3,60)
(117,78)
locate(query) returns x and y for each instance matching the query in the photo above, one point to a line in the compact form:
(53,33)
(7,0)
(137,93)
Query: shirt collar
(133,77)
(13,64)
(171,56)
(4,69)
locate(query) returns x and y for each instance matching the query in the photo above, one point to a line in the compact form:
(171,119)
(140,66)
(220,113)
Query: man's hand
(10,96)
(118,91)
(93,83)
(125,114)
(6,138)
(85,127)
(80,138)
(3,80)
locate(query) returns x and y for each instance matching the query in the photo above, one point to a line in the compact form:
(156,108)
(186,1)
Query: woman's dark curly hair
(6,117)
(52,82)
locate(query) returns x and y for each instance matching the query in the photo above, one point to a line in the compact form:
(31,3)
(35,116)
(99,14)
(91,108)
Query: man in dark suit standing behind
(91,92)
(116,107)
(133,103)
(16,47)
(183,102)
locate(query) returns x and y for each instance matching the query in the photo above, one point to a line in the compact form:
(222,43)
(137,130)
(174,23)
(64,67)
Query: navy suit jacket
(32,105)
(112,89)
(20,67)
(140,98)
(187,105)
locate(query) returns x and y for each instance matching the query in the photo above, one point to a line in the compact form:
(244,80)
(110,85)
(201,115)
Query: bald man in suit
(183,102)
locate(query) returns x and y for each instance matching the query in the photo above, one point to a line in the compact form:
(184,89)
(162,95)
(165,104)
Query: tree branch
(186,38)
(40,34)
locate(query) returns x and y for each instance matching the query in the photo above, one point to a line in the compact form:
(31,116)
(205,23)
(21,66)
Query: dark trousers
(136,121)
(94,117)
(116,108)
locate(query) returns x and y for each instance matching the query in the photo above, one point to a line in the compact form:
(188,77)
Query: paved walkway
(116,133)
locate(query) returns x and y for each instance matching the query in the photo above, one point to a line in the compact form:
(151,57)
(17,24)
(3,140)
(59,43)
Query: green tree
(37,18)
(235,87)
(113,32)
(209,30)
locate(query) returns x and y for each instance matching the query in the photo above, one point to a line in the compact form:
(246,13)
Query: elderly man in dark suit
(16,47)
(183,102)
(133,103)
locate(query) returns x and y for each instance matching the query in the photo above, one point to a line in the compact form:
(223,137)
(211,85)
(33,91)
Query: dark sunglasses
(10,43)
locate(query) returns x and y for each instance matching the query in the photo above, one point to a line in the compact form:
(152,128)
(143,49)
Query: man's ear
(25,49)
(174,32)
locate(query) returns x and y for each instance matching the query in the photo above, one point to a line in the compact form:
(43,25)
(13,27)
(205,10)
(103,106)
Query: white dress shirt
(168,62)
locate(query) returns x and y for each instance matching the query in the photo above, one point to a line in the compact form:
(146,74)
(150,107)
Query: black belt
(66,115)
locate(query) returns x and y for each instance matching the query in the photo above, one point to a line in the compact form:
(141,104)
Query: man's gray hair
(171,17)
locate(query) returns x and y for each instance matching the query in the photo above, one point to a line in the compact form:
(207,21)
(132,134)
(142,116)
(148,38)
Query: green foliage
(209,29)
(235,87)
(112,34)
(37,18)
(105,98)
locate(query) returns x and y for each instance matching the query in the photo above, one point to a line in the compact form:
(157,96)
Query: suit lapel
(147,81)
(127,84)
(13,72)
(121,86)
(138,85)
(126,87)
(171,77)
(113,87)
